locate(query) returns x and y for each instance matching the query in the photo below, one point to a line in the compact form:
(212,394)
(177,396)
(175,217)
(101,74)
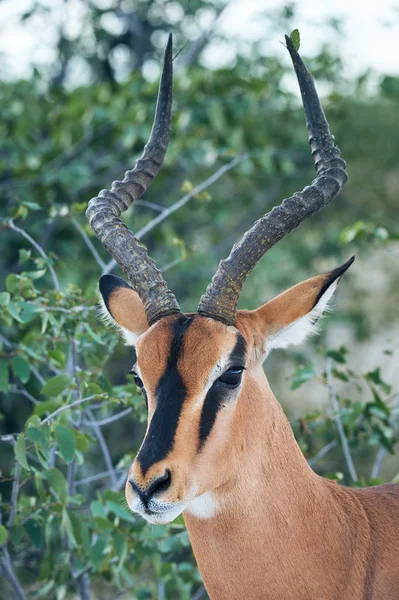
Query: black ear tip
(108,283)
(348,263)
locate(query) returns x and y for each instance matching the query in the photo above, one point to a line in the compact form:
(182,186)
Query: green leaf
(34,434)
(20,452)
(14,311)
(4,377)
(120,511)
(29,311)
(375,377)
(66,442)
(296,38)
(4,298)
(338,355)
(66,527)
(301,375)
(11,283)
(56,385)
(21,368)
(81,441)
(3,535)
(58,484)
(58,357)
(34,532)
(97,552)
(93,335)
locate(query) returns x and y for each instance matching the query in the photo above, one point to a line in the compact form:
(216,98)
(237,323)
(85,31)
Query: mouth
(159,517)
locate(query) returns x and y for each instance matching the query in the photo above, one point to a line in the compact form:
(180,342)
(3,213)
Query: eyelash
(232,377)
(137,379)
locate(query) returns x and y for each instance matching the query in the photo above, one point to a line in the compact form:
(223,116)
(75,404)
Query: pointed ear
(122,307)
(292,316)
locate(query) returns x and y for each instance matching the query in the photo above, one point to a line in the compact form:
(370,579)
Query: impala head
(195,370)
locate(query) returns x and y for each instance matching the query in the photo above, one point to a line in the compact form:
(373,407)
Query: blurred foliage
(71,420)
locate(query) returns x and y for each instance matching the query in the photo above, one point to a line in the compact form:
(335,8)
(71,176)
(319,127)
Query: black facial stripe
(238,355)
(170,395)
(219,393)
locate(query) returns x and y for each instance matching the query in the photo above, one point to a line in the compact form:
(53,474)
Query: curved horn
(103,212)
(220,299)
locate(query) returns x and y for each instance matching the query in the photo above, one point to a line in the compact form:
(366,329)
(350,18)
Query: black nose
(160,484)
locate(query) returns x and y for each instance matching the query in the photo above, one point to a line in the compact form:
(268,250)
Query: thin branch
(8,438)
(200,593)
(120,482)
(37,375)
(72,405)
(173,263)
(98,476)
(180,203)
(321,453)
(89,244)
(5,563)
(103,446)
(103,422)
(83,585)
(38,248)
(375,471)
(338,422)
(147,204)
(24,392)
(196,47)
(14,495)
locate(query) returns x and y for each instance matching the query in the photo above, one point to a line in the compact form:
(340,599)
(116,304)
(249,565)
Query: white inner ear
(104,314)
(297,331)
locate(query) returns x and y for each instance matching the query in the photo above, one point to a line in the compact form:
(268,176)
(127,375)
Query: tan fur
(290,305)
(280,532)
(128,310)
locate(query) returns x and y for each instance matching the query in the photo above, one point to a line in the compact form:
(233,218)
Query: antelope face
(191,371)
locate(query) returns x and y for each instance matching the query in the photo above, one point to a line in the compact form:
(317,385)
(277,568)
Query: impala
(218,446)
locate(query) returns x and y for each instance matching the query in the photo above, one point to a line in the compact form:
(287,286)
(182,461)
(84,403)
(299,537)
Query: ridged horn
(104,211)
(221,297)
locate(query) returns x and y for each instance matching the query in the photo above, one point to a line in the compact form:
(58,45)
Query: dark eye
(232,377)
(137,379)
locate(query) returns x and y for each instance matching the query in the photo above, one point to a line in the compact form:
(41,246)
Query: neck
(270,516)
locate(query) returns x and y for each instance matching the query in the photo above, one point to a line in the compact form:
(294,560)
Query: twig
(5,563)
(120,482)
(38,248)
(173,263)
(14,495)
(8,438)
(152,205)
(89,244)
(177,205)
(197,46)
(375,471)
(103,446)
(72,405)
(83,585)
(24,392)
(200,593)
(321,453)
(338,422)
(37,375)
(103,422)
(98,476)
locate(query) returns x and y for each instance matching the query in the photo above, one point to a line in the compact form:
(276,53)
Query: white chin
(164,517)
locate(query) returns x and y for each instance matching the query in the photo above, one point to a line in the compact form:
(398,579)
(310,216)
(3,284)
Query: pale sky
(371,31)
